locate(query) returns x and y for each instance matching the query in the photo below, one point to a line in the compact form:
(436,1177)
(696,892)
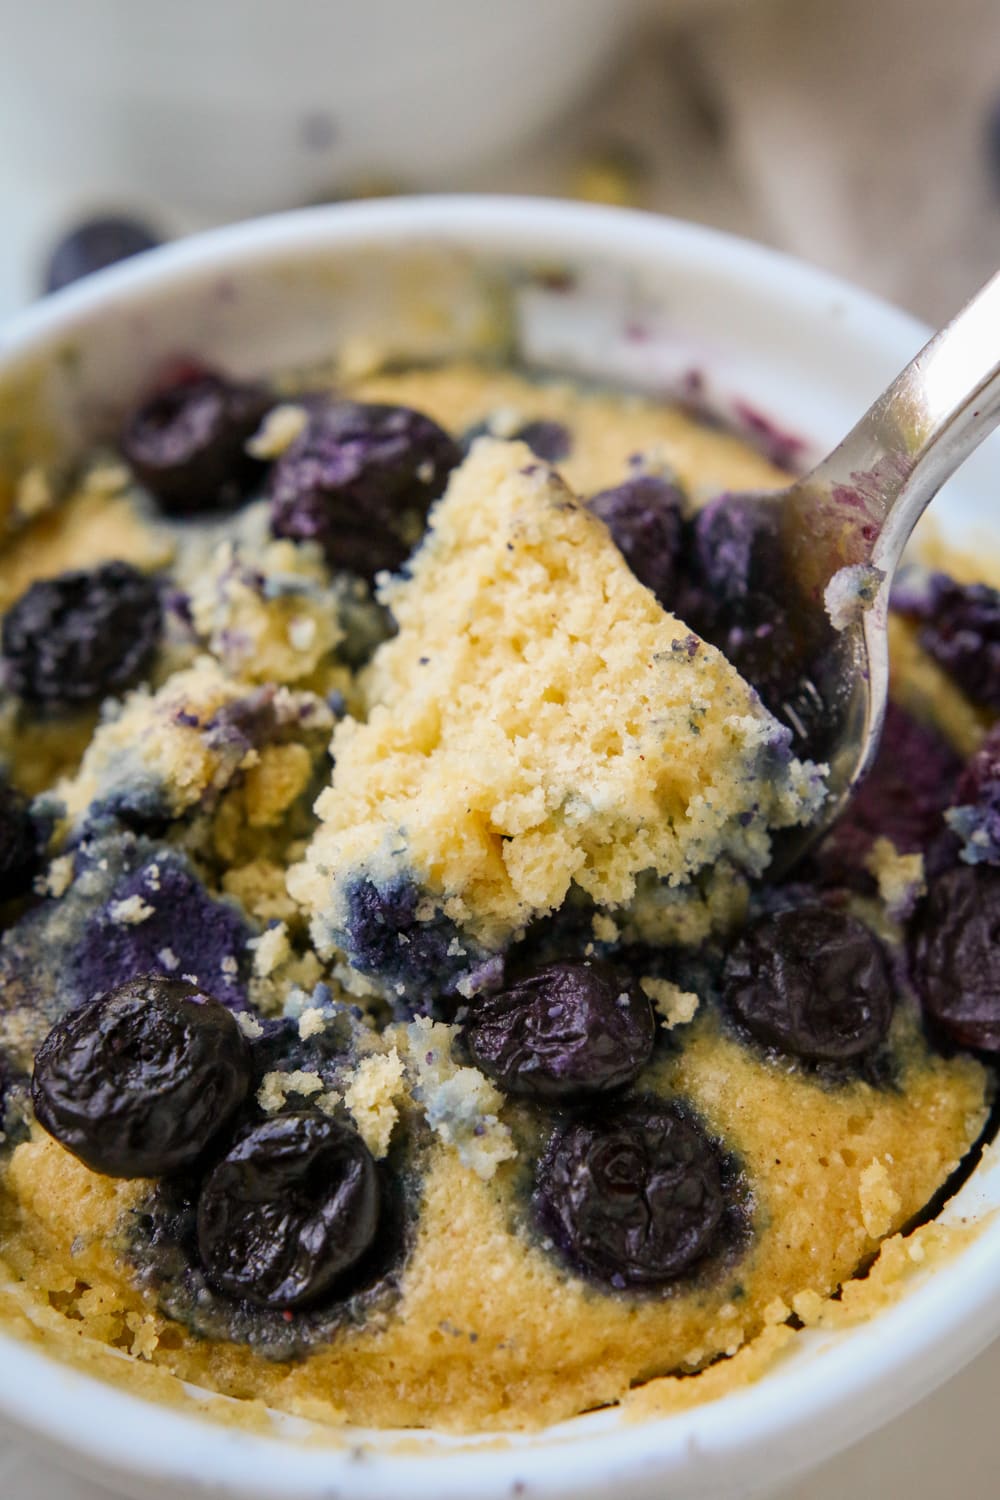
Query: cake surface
(422,777)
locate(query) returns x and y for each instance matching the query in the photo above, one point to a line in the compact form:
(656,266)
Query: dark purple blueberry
(292,1206)
(737,593)
(960,629)
(19,844)
(975,817)
(549,441)
(138,1081)
(95,244)
(359,481)
(902,799)
(811,982)
(632,1198)
(181,930)
(187,442)
(566,1030)
(955,955)
(74,638)
(645,518)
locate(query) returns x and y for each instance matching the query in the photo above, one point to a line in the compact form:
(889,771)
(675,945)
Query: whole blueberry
(566,1030)
(959,626)
(811,982)
(645,518)
(138,1081)
(290,1208)
(94,244)
(19,844)
(975,816)
(359,480)
(954,941)
(548,440)
(74,638)
(187,442)
(631,1198)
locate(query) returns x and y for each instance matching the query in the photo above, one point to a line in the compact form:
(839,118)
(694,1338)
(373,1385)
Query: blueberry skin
(138,1081)
(812,983)
(954,944)
(77,637)
(645,518)
(567,1030)
(187,442)
(95,244)
(359,481)
(632,1198)
(19,844)
(290,1208)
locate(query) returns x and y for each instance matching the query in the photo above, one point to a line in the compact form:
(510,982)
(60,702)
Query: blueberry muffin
(398,1023)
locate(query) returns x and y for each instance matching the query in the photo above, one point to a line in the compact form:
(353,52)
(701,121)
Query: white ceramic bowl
(651,301)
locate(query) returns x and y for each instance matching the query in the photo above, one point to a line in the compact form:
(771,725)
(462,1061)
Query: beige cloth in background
(850,132)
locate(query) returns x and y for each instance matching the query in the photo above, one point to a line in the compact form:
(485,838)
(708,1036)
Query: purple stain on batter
(169,911)
(782,448)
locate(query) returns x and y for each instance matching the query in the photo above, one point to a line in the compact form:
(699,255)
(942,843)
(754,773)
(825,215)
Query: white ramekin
(602,292)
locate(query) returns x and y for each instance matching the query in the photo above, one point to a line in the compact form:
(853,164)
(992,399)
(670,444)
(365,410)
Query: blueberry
(975,817)
(138,1081)
(187,442)
(182,930)
(549,441)
(94,244)
(811,982)
(737,594)
(293,1205)
(568,1029)
(359,481)
(960,628)
(633,1198)
(74,638)
(645,518)
(954,940)
(19,844)
(902,799)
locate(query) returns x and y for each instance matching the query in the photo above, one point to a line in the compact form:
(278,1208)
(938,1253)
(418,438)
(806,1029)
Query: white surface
(945,1446)
(808,351)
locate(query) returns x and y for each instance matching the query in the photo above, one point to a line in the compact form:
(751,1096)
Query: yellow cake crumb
(370,1098)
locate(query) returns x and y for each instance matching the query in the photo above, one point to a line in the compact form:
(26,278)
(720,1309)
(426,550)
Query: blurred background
(863,135)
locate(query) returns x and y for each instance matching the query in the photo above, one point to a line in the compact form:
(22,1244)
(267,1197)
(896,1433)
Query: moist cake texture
(398,1024)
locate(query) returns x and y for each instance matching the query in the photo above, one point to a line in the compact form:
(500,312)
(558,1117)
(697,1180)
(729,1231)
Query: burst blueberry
(76,637)
(810,982)
(902,798)
(632,1198)
(138,1081)
(567,1030)
(359,481)
(187,442)
(959,626)
(645,518)
(291,1208)
(180,930)
(548,440)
